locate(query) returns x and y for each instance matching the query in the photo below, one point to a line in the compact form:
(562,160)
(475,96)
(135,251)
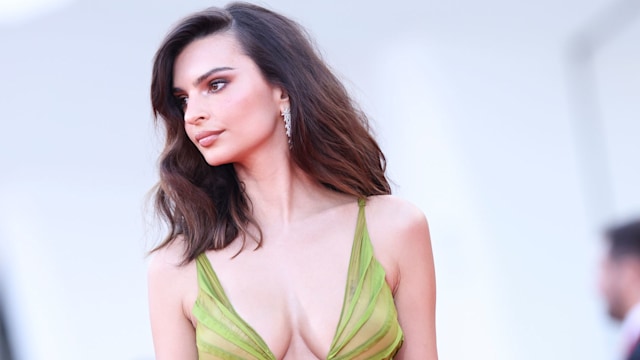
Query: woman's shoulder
(396,226)
(168,261)
(171,280)
(398,230)
(393,214)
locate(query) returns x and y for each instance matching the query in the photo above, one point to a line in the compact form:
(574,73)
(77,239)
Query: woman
(267,172)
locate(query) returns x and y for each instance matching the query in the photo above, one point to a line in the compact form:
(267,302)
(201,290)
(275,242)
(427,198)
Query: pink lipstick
(208,137)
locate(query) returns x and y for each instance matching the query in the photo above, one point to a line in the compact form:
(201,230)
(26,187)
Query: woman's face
(231,113)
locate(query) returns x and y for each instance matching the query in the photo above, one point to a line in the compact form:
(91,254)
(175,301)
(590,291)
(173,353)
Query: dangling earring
(286,115)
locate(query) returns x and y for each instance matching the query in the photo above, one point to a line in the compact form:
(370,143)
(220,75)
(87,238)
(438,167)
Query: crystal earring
(286,115)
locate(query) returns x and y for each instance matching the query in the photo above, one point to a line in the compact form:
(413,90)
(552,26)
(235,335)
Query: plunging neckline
(355,250)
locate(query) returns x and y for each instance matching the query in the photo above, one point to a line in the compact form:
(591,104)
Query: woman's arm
(416,290)
(406,233)
(172,331)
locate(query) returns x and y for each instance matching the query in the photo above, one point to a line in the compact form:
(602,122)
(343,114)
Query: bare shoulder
(396,220)
(172,290)
(400,235)
(168,276)
(168,261)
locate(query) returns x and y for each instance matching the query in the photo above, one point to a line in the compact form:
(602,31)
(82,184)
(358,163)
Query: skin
(619,284)
(305,226)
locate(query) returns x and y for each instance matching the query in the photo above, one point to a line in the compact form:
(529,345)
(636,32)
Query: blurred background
(513,125)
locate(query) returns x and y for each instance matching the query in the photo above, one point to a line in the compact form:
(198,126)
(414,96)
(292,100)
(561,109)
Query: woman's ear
(283,97)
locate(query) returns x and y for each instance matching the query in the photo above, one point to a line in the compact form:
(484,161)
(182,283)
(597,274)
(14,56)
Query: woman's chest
(292,300)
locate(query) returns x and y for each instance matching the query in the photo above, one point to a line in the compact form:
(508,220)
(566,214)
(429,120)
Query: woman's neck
(281,193)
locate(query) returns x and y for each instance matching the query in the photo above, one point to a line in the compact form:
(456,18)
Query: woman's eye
(217,85)
(182,102)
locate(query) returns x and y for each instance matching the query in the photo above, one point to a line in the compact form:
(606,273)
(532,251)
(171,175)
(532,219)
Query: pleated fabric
(368,327)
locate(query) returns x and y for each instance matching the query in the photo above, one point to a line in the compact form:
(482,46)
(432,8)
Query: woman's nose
(195,111)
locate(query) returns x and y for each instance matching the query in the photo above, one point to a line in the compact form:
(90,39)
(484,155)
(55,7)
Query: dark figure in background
(620,284)
(5,349)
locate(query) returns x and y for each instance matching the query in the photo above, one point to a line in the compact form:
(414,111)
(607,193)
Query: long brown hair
(331,141)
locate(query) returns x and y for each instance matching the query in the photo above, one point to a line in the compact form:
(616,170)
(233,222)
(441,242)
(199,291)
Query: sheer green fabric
(368,327)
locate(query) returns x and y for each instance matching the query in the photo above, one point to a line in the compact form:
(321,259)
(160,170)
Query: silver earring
(286,115)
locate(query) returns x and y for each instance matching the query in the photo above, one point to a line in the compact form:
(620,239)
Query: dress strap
(208,280)
(361,223)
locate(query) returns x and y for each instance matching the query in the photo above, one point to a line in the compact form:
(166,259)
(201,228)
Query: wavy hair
(331,139)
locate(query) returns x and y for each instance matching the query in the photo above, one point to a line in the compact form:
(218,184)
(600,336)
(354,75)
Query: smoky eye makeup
(180,101)
(217,84)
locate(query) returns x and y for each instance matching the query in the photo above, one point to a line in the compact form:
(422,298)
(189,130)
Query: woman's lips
(207,138)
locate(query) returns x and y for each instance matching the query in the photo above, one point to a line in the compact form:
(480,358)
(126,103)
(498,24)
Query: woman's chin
(215,160)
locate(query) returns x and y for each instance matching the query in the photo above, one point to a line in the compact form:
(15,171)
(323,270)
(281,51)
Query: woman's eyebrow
(204,76)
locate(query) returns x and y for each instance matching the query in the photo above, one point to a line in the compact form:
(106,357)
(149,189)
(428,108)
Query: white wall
(471,104)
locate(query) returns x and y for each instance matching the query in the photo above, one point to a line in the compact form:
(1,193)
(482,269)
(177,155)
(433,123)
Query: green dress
(368,326)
